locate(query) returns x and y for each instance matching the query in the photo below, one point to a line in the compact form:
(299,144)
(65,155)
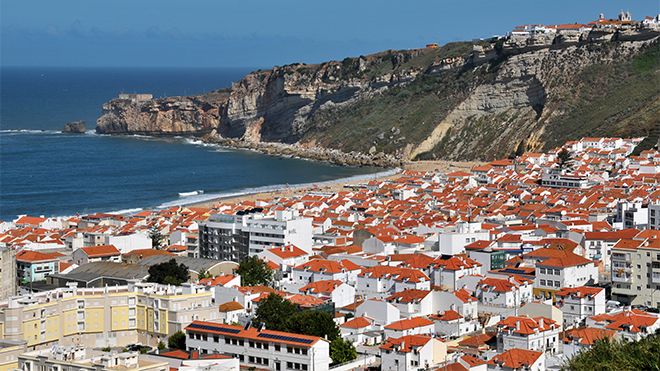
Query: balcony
(655,277)
(616,277)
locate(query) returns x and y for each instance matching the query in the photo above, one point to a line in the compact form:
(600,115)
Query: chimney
(541,323)
(517,325)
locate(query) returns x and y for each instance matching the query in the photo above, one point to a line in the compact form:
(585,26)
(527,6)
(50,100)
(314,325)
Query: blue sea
(44,172)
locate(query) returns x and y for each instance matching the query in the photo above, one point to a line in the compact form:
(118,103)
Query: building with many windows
(104,317)
(250,232)
(259,348)
(636,272)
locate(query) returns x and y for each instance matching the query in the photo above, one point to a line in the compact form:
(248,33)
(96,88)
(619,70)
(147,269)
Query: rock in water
(75,127)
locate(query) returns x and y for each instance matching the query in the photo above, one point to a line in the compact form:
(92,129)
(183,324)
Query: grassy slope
(607,99)
(414,109)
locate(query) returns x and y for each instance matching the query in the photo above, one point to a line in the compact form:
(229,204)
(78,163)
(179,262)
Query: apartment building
(654,216)
(247,233)
(522,332)
(258,348)
(86,359)
(578,303)
(7,273)
(412,352)
(636,272)
(558,268)
(100,317)
(34,266)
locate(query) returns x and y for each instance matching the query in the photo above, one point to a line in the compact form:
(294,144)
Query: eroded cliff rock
(423,103)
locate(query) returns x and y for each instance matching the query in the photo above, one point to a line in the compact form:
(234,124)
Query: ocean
(45,172)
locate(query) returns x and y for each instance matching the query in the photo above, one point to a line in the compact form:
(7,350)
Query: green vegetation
(161,345)
(342,351)
(254,271)
(280,314)
(168,273)
(619,355)
(177,341)
(157,238)
(621,99)
(564,159)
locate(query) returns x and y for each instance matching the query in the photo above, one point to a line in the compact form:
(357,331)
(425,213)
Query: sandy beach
(340,184)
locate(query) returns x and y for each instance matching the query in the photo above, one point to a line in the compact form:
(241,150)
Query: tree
(204,274)
(342,351)
(274,311)
(161,345)
(177,341)
(313,322)
(157,238)
(608,354)
(564,159)
(254,271)
(169,273)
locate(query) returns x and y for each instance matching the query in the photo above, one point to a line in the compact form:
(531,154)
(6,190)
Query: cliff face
(448,103)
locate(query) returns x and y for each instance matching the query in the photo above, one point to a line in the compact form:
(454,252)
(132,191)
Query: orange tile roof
(100,251)
(230,306)
(287,252)
(409,323)
(587,335)
(143,253)
(357,322)
(515,358)
(448,315)
(525,325)
(321,287)
(30,256)
(408,296)
(405,344)
(579,292)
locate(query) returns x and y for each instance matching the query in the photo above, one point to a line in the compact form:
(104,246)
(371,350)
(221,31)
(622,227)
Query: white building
(340,293)
(504,293)
(257,348)
(522,332)
(452,240)
(578,303)
(380,311)
(414,352)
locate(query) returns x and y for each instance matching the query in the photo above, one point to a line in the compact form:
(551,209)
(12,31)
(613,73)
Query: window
(556,272)
(542,270)
(277,347)
(216,338)
(557,283)
(542,282)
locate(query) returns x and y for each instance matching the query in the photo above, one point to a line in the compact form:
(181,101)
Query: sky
(250,33)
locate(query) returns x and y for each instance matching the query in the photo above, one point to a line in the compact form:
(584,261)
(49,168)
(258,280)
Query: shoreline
(336,185)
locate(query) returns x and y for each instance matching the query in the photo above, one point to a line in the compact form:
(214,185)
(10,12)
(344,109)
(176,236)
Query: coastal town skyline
(489,204)
(129,34)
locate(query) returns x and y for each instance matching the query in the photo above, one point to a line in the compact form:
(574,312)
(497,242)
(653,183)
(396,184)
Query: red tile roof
(409,323)
(587,335)
(515,358)
(29,256)
(100,251)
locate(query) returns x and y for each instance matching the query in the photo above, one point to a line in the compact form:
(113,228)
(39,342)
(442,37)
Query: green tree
(204,274)
(169,273)
(177,341)
(157,238)
(608,354)
(313,322)
(275,311)
(342,351)
(254,271)
(564,159)
(161,345)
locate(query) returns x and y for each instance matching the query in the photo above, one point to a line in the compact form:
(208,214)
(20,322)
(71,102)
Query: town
(517,263)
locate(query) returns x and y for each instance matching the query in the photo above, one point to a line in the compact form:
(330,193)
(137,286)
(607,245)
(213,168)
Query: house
(361,330)
(231,312)
(91,254)
(504,293)
(578,303)
(579,339)
(460,301)
(34,266)
(382,281)
(413,352)
(557,268)
(321,270)
(447,270)
(412,302)
(340,293)
(450,323)
(630,325)
(518,360)
(409,326)
(380,311)
(522,332)
(285,256)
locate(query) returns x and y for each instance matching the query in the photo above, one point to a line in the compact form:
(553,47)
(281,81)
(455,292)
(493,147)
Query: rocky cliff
(461,101)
